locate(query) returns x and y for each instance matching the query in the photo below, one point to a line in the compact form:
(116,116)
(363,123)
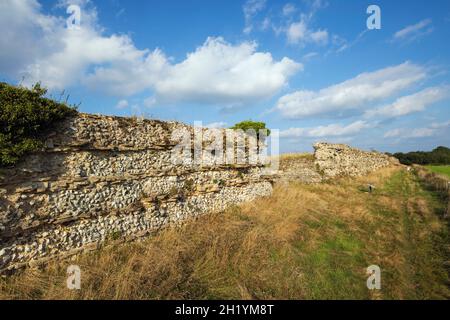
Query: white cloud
(310,55)
(216,71)
(317,4)
(343,44)
(410,133)
(352,94)
(320,36)
(289,9)
(413,31)
(58,56)
(437,125)
(20,22)
(393,133)
(122,104)
(420,133)
(332,130)
(340,42)
(265,24)
(295,27)
(299,33)
(433,130)
(412,103)
(251,8)
(134,71)
(216,125)
(338,130)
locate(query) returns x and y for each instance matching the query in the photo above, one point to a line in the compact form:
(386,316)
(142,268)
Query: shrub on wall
(246,125)
(25,115)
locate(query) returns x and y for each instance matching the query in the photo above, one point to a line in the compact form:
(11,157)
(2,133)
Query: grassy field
(303,242)
(445,170)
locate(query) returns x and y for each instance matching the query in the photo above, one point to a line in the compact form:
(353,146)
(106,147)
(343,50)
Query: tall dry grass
(437,182)
(303,242)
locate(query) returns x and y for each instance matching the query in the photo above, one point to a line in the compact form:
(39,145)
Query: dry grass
(295,156)
(303,242)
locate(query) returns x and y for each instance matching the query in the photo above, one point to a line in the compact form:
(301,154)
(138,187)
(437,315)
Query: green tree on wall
(249,124)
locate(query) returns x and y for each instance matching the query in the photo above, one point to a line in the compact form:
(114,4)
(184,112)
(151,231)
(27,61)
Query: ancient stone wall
(102,179)
(105,178)
(298,168)
(334,160)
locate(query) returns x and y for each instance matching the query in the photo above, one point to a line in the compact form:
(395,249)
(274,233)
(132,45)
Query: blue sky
(310,68)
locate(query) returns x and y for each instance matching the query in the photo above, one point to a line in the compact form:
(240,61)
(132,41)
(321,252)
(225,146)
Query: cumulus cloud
(59,57)
(409,133)
(332,130)
(296,32)
(319,36)
(352,94)
(220,71)
(412,103)
(299,33)
(22,28)
(413,31)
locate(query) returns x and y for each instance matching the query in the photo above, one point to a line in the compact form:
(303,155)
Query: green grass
(445,170)
(419,242)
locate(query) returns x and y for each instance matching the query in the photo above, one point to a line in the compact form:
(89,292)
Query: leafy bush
(246,125)
(25,115)
(440,155)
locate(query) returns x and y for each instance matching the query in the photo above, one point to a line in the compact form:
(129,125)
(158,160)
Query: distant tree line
(440,155)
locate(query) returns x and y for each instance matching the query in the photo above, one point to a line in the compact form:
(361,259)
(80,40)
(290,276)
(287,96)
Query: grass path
(421,242)
(303,242)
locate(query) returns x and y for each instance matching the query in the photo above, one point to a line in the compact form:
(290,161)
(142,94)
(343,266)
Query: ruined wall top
(340,159)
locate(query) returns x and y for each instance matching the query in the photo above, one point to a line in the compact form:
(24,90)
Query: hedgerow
(25,116)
